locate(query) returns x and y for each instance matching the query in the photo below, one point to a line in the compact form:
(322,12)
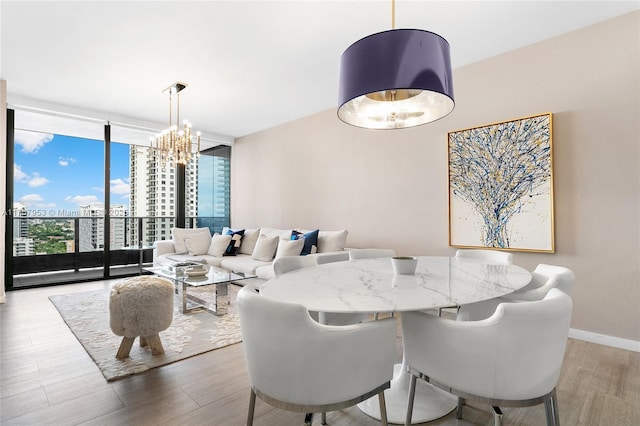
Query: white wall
(389,188)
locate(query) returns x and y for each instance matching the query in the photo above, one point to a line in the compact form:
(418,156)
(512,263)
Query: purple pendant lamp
(395,79)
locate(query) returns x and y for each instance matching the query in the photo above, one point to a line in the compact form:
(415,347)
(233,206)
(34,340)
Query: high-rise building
(23,247)
(20,221)
(92,227)
(153,194)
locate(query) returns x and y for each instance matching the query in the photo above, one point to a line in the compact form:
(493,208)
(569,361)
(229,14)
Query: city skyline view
(55,174)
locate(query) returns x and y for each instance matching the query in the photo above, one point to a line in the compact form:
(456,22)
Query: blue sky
(59,173)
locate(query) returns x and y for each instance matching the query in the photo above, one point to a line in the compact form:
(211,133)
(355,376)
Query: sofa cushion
(310,241)
(289,248)
(234,244)
(265,248)
(329,241)
(242,263)
(218,245)
(197,243)
(283,234)
(178,236)
(249,240)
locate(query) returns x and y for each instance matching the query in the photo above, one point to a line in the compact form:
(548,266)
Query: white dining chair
(297,364)
(371,253)
(489,256)
(543,278)
(286,264)
(512,358)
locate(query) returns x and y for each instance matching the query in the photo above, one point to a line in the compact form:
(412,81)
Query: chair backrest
(370,253)
(563,278)
(493,256)
(516,354)
(286,264)
(294,359)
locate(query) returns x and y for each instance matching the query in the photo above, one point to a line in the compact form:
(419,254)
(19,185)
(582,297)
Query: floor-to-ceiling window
(214,188)
(57,214)
(90,198)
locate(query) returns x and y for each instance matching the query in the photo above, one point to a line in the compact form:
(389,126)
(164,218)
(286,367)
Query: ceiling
(249,65)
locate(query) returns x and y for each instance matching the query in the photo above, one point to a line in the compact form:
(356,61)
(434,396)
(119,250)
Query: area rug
(190,334)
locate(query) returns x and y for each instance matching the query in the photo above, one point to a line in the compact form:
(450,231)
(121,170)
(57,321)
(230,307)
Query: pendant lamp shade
(396,79)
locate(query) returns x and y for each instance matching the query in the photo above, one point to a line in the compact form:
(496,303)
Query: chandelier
(175,145)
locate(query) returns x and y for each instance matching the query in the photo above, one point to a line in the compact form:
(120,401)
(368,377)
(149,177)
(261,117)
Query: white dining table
(371,286)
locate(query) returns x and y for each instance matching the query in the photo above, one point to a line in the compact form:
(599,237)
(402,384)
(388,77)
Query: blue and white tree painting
(500,184)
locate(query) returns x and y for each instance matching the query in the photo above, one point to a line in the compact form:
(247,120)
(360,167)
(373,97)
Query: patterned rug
(193,333)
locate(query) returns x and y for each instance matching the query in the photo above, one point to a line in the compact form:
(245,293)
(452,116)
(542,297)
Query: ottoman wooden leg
(125,347)
(143,341)
(155,344)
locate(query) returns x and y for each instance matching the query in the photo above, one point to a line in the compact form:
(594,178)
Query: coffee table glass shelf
(198,288)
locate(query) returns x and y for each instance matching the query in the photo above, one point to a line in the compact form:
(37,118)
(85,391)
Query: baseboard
(602,339)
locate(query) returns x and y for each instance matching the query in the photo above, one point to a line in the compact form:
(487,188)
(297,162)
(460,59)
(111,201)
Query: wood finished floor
(48,379)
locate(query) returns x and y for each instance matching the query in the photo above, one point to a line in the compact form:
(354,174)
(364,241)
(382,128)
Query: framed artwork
(501,186)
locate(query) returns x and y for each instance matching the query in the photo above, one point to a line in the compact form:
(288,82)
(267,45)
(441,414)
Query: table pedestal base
(430,402)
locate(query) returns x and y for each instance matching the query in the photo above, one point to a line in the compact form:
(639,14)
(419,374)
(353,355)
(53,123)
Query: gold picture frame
(501,185)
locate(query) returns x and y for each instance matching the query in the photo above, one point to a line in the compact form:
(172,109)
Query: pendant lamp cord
(393,14)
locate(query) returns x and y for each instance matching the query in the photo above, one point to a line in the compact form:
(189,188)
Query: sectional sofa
(247,250)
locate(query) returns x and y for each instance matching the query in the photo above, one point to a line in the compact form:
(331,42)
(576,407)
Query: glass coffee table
(213,285)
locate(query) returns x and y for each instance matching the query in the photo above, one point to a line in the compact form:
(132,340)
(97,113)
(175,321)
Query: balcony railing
(72,246)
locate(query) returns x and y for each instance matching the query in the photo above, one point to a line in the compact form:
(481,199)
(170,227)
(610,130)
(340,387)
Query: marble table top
(370,285)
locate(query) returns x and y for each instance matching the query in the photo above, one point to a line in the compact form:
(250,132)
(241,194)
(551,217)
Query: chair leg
(383,408)
(323,418)
(125,347)
(497,415)
(459,408)
(551,409)
(308,419)
(252,407)
(155,344)
(412,395)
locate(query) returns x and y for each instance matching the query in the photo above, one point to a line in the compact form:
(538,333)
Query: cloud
(119,186)
(31,142)
(64,162)
(19,175)
(83,199)
(31,199)
(37,181)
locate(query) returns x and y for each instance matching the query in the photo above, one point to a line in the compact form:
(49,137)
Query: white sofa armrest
(162,247)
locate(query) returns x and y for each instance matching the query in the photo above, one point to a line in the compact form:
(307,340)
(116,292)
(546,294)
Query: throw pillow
(178,236)
(219,244)
(197,243)
(329,241)
(249,240)
(289,247)
(310,240)
(234,244)
(265,248)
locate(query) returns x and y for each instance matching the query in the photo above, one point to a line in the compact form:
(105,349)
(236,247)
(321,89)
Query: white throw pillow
(249,240)
(289,248)
(218,245)
(198,243)
(329,241)
(265,248)
(178,235)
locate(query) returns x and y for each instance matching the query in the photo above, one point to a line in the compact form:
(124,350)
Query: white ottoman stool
(141,306)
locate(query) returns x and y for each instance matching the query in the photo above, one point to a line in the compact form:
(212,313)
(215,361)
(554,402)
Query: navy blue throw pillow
(310,240)
(234,244)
